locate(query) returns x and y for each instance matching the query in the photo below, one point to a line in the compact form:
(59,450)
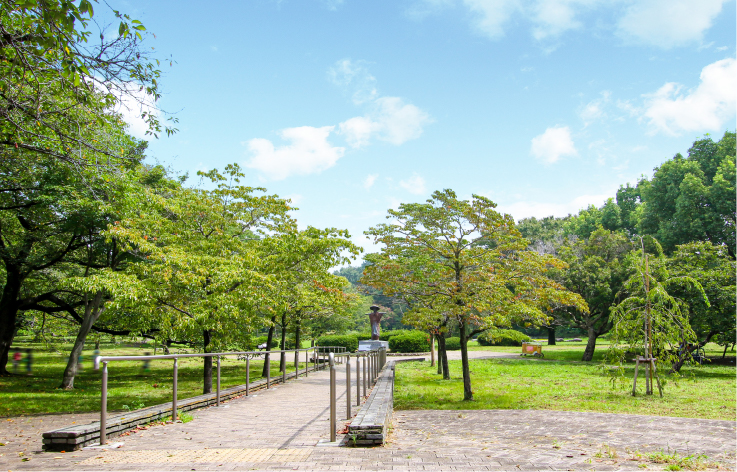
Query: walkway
(280,429)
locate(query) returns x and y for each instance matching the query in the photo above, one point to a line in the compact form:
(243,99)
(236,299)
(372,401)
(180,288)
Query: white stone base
(371,345)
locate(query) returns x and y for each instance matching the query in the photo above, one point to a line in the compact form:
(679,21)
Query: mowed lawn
(564,385)
(129,387)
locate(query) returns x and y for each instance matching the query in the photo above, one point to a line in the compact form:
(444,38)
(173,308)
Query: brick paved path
(280,429)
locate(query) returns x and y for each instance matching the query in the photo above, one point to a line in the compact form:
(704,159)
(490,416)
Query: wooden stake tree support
(648,360)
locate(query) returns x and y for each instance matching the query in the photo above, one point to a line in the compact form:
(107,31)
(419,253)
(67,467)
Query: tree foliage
(462,261)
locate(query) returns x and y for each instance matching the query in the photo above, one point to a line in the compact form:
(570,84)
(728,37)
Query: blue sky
(352,107)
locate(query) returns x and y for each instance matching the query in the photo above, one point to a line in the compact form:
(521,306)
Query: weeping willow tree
(650,323)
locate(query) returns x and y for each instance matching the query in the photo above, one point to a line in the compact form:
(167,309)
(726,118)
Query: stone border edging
(72,438)
(371,425)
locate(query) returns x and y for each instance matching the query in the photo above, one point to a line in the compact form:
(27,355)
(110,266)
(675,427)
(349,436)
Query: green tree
(693,199)
(199,273)
(712,267)
(463,260)
(596,271)
(61,75)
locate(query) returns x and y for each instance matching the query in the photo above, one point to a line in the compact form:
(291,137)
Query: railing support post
(283,357)
(267,361)
(332,397)
(296,364)
(217,387)
(365,376)
(248,373)
(103,406)
(358,380)
(174,391)
(348,387)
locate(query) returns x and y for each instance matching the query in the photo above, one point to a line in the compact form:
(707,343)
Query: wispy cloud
(354,78)
(553,144)
(370,180)
(390,119)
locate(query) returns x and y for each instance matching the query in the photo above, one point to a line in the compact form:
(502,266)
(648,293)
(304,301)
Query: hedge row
(413,341)
(502,337)
(348,341)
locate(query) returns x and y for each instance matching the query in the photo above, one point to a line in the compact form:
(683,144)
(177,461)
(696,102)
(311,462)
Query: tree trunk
(432,350)
(92,312)
(8,317)
(297,339)
(269,338)
(467,392)
(551,335)
(588,353)
(207,379)
(724,354)
(283,343)
(442,358)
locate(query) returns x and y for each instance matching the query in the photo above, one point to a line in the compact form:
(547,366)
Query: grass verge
(565,386)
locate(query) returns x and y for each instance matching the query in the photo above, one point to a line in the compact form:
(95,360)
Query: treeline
(686,215)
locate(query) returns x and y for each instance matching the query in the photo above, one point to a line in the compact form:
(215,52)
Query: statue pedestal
(370,345)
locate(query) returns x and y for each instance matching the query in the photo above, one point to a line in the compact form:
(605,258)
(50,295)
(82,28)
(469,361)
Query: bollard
(332,397)
(358,380)
(348,387)
(248,373)
(217,387)
(103,406)
(174,391)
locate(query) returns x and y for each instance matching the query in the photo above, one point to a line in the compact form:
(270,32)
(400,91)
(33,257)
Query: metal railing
(369,363)
(104,360)
(373,362)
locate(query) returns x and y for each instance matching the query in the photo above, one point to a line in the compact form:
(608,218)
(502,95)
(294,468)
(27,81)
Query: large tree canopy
(464,261)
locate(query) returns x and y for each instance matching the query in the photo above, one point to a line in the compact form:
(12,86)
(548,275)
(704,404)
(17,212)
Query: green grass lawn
(128,384)
(562,385)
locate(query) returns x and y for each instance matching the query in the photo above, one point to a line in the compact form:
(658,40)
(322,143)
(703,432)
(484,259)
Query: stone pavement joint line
(185,456)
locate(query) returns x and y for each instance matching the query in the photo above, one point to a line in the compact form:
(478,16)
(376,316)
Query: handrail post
(365,376)
(307,362)
(248,373)
(174,391)
(103,406)
(283,360)
(358,380)
(348,386)
(267,362)
(331,360)
(296,364)
(217,388)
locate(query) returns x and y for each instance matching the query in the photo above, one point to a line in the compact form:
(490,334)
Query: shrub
(502,337)
(348,341)
(414,341)
(452,344)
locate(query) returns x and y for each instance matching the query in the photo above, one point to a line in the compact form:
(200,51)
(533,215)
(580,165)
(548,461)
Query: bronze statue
(375,317)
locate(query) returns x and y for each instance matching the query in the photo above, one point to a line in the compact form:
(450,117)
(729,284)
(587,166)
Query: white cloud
(414,185)
(370,180)
(492,15)
(390,120)
(673,110)
(554,143)
(309,152)
(668,23)
(354,78)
